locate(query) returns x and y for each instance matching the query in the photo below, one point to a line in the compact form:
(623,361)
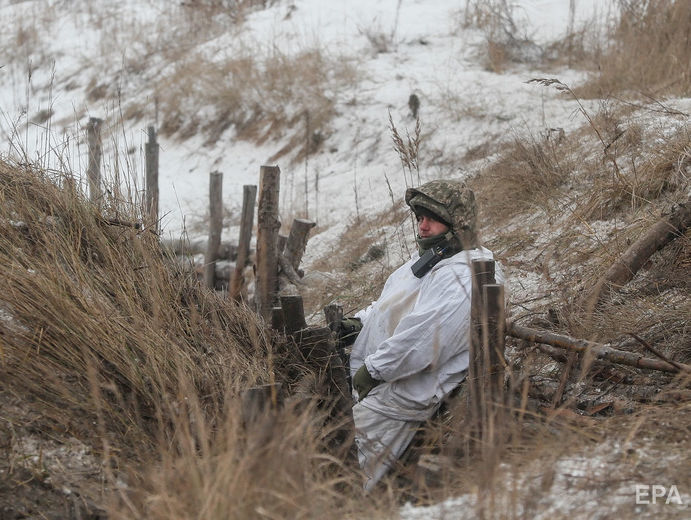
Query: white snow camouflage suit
(416,339)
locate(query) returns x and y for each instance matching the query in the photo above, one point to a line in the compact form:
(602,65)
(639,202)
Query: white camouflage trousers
(380,441)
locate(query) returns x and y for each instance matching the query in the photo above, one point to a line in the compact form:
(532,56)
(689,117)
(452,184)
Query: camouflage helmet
(452,201)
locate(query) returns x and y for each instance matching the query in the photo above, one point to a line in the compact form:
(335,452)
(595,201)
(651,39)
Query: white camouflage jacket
(416,336)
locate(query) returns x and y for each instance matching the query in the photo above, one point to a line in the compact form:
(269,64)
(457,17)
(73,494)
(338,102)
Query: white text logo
(646,494)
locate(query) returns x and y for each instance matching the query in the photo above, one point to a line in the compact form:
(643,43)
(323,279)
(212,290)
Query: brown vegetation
(647,55)
(106,341)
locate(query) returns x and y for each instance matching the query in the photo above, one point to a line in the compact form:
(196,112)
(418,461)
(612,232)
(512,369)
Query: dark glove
(363,382)
(350,328)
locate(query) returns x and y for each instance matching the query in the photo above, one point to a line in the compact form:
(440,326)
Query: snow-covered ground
(423,49)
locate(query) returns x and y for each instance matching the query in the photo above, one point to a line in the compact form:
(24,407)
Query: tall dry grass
(529,172)
(88,293)
(648,53)
(116,344)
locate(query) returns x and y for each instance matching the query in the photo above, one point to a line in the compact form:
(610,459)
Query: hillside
(121,378)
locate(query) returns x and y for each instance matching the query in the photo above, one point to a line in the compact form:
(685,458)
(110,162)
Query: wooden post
(282,239)
(93,172)
(297,241)
(277,319)
(293,313)
(494,337)
(237,282)
(151,153)
(215,227)
(318,349)
(267,237)
(479,368)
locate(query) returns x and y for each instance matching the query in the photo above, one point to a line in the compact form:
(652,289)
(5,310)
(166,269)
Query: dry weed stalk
(408,151)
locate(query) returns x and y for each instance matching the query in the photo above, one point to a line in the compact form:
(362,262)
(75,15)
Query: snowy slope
(425,51)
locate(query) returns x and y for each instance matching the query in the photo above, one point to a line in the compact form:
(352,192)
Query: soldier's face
(429,227)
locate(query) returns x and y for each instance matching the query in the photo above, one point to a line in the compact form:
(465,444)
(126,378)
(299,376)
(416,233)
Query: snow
(421,50)
(577,486)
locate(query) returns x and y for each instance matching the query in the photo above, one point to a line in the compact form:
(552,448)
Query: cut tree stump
(297,241)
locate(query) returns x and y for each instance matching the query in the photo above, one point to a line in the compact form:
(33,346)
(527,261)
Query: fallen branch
(598,351)
(658,236)
(655,351)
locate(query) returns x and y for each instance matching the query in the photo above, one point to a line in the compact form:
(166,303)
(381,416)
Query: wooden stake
(237,282)
(293,314)
(151,151)
(282,239)
(494,339)
(318,348)
(215,227)
(297,241)
(486,369)
(267,236)
(483,273)
(93,172)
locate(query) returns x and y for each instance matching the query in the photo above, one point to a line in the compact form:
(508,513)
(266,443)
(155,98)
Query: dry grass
(111,343)
(647,174)
(529,173)
(648,55)
(262,96)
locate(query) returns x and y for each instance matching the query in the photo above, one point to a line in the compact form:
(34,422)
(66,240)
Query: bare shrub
(506,40)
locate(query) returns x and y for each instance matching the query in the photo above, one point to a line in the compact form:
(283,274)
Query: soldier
(414,344)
